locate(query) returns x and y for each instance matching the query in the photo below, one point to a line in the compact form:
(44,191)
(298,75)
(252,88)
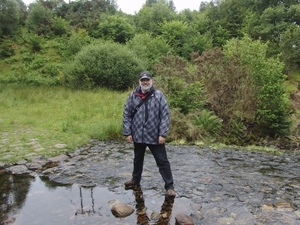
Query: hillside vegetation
(229,70)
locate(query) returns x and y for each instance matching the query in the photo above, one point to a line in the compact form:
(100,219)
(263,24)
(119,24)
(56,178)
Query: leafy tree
(149,49)
(169,3)
(116,28)
(53,5)
(289,48)
(232,14)
(60,26)
(220,36)
(104,64)
(198,36)
(149,18)
(276,25)
(175,32)
(187,15)
(197,21)
(273,109)
(195,42)
(184,39)
(86,14)
(294,14)
(9,17)
(229,15)
(272,24)
(39,19)
(150,2)
(22,12)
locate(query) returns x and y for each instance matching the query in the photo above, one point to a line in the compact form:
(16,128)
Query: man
(146,121)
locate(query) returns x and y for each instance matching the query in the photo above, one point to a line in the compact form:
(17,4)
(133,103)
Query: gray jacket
(151,120)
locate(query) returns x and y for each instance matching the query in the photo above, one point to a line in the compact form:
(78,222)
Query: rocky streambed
(214,187)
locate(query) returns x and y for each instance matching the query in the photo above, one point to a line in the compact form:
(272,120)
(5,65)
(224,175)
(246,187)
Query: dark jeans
(160,156)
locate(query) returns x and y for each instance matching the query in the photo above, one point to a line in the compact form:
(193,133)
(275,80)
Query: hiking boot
(170,193)
(130,184)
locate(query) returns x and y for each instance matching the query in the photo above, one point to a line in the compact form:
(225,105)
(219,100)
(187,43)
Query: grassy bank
(51,120)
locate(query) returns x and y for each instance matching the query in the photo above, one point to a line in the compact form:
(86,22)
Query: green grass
(49,121)
(293,81)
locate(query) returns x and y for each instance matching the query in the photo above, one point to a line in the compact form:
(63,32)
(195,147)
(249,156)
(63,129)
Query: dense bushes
(236,95)
(104,64)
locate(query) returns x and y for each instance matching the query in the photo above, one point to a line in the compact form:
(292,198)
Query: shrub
(71,46)
(109,65)
(179,84)
(182,128)
(208,121)
(35,41)
(6,48)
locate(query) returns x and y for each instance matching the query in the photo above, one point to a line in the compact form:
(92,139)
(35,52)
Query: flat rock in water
(182,219)
(121,210)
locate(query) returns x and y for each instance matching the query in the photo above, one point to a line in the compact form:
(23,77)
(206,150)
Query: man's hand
(161,140)
(129,138)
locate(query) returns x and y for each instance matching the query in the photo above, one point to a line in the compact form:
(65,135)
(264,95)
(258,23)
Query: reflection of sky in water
(47,203)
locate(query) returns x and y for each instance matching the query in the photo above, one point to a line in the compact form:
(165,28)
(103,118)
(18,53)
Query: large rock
(181,219)
(20,170)
(121,210)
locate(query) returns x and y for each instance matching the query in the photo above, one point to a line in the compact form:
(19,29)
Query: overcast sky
(132,6)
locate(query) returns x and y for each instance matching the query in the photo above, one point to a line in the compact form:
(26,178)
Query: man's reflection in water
(89,211)
(142,218)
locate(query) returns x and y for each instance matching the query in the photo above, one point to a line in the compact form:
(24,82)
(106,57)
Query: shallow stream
(214,187)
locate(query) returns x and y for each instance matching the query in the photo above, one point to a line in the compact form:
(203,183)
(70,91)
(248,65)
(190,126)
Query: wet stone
(59,158)
(20,170)
(182,219)
(37,165)
(121,210)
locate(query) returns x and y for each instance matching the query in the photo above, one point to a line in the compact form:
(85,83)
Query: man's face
(146,84)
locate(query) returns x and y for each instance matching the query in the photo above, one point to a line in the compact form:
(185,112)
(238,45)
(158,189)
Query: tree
(149,49)
(60,26)
(272,108)
(86,13)
(225,20)
(278,26)
(9,17)
(289,48)
(174,32)
(149,18)
(39,19)
(116,28)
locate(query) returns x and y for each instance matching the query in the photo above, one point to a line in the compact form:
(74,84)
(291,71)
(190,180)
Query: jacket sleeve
(164,117)
(127,120)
